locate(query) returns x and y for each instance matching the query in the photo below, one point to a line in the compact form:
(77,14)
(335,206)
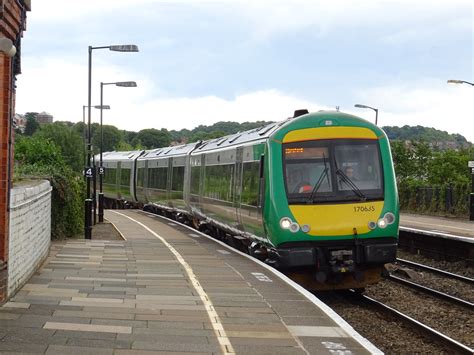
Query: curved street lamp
(126,84)
(452,81)
(372,108)
(88,170)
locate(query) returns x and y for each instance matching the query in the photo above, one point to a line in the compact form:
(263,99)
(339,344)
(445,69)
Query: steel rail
(431,291)
(454,345)
(434,270)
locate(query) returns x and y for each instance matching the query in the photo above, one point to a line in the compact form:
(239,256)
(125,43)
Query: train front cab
(335,208)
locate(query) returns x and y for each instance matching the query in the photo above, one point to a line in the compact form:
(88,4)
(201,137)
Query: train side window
(250,183)
(195,178)
(177,180)
(157,178)
(218,182)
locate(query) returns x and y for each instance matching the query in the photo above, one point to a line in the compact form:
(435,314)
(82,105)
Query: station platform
(166,289)
(438,226)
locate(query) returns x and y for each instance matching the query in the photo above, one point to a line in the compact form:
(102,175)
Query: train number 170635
(364,208)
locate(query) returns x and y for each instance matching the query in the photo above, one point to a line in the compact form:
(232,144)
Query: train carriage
(119,176)
(314,194)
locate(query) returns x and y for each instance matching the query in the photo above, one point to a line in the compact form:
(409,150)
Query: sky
(201,62)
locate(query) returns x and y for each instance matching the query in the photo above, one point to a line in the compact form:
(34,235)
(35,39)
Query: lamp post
(88,170)
(470,163)
(106,107)
(372,108)
(129,84)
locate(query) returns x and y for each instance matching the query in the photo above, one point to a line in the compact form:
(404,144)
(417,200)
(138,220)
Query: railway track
(431,291)
(437,336)
(435,270)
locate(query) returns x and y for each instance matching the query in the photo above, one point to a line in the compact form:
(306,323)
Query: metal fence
(442,200)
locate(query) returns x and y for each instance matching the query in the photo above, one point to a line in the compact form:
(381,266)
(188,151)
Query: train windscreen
(333,170)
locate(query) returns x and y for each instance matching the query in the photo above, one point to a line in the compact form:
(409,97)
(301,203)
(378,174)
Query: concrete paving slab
(160,293)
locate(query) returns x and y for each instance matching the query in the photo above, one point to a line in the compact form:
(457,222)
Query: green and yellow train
(314,195)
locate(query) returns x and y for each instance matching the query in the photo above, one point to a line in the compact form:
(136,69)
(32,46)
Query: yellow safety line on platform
(224,341)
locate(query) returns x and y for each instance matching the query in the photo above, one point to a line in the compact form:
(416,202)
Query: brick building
(44,117)
(12,25)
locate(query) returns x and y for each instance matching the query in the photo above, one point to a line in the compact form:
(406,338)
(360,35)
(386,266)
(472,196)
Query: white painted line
(261,277)
(441,235)
(439,225)
(224,341)
(312,298)
(317,331)
(194,235)
(225,252)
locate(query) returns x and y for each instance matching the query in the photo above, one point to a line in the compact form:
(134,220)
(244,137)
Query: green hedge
(67,202)
(452,200)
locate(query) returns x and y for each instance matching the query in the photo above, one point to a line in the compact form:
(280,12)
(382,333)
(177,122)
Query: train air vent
(235,138)
(300,113)
(265,129)
(221,141)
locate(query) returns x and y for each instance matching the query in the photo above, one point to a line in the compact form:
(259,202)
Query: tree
(152,138)
(68,140)
(449,167)
(31,126)
(202,136)
(123,146)
(111,138)
(37,151)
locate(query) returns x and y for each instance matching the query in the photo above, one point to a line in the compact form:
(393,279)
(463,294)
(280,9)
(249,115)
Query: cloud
(429,103)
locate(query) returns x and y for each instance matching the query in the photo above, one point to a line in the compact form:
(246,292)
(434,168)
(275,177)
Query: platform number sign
(89,172)
(101,170)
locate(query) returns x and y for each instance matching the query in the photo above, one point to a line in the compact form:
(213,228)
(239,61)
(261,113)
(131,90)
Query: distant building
(20,122)
(44,117)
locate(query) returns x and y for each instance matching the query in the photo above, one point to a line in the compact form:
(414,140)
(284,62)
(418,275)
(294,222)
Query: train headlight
(372,225)
(294,227)
(389,217)
(285,223)
(306,228)
(382,223)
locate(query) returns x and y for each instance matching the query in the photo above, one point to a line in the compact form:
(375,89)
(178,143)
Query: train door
(117,180)
(238,185)
(169,181)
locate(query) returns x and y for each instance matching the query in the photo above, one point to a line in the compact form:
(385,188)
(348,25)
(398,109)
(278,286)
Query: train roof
(176,150)
(255,135)
(120,156)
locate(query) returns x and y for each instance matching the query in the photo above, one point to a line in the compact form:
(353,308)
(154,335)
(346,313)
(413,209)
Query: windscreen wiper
(350,183)
(320,180)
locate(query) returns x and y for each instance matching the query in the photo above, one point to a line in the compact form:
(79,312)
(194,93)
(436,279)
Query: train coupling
(341,261)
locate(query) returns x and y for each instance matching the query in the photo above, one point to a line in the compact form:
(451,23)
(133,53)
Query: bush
(41,159)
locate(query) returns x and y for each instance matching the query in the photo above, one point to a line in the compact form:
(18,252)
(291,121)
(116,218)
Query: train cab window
(325,171)
(308,170)
(359,165)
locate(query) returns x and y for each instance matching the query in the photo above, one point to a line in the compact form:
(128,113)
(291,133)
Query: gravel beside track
(455,321)
(384,331)
(392,336)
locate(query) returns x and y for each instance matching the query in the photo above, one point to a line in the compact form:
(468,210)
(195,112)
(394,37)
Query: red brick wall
(11,26)
(4,158)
